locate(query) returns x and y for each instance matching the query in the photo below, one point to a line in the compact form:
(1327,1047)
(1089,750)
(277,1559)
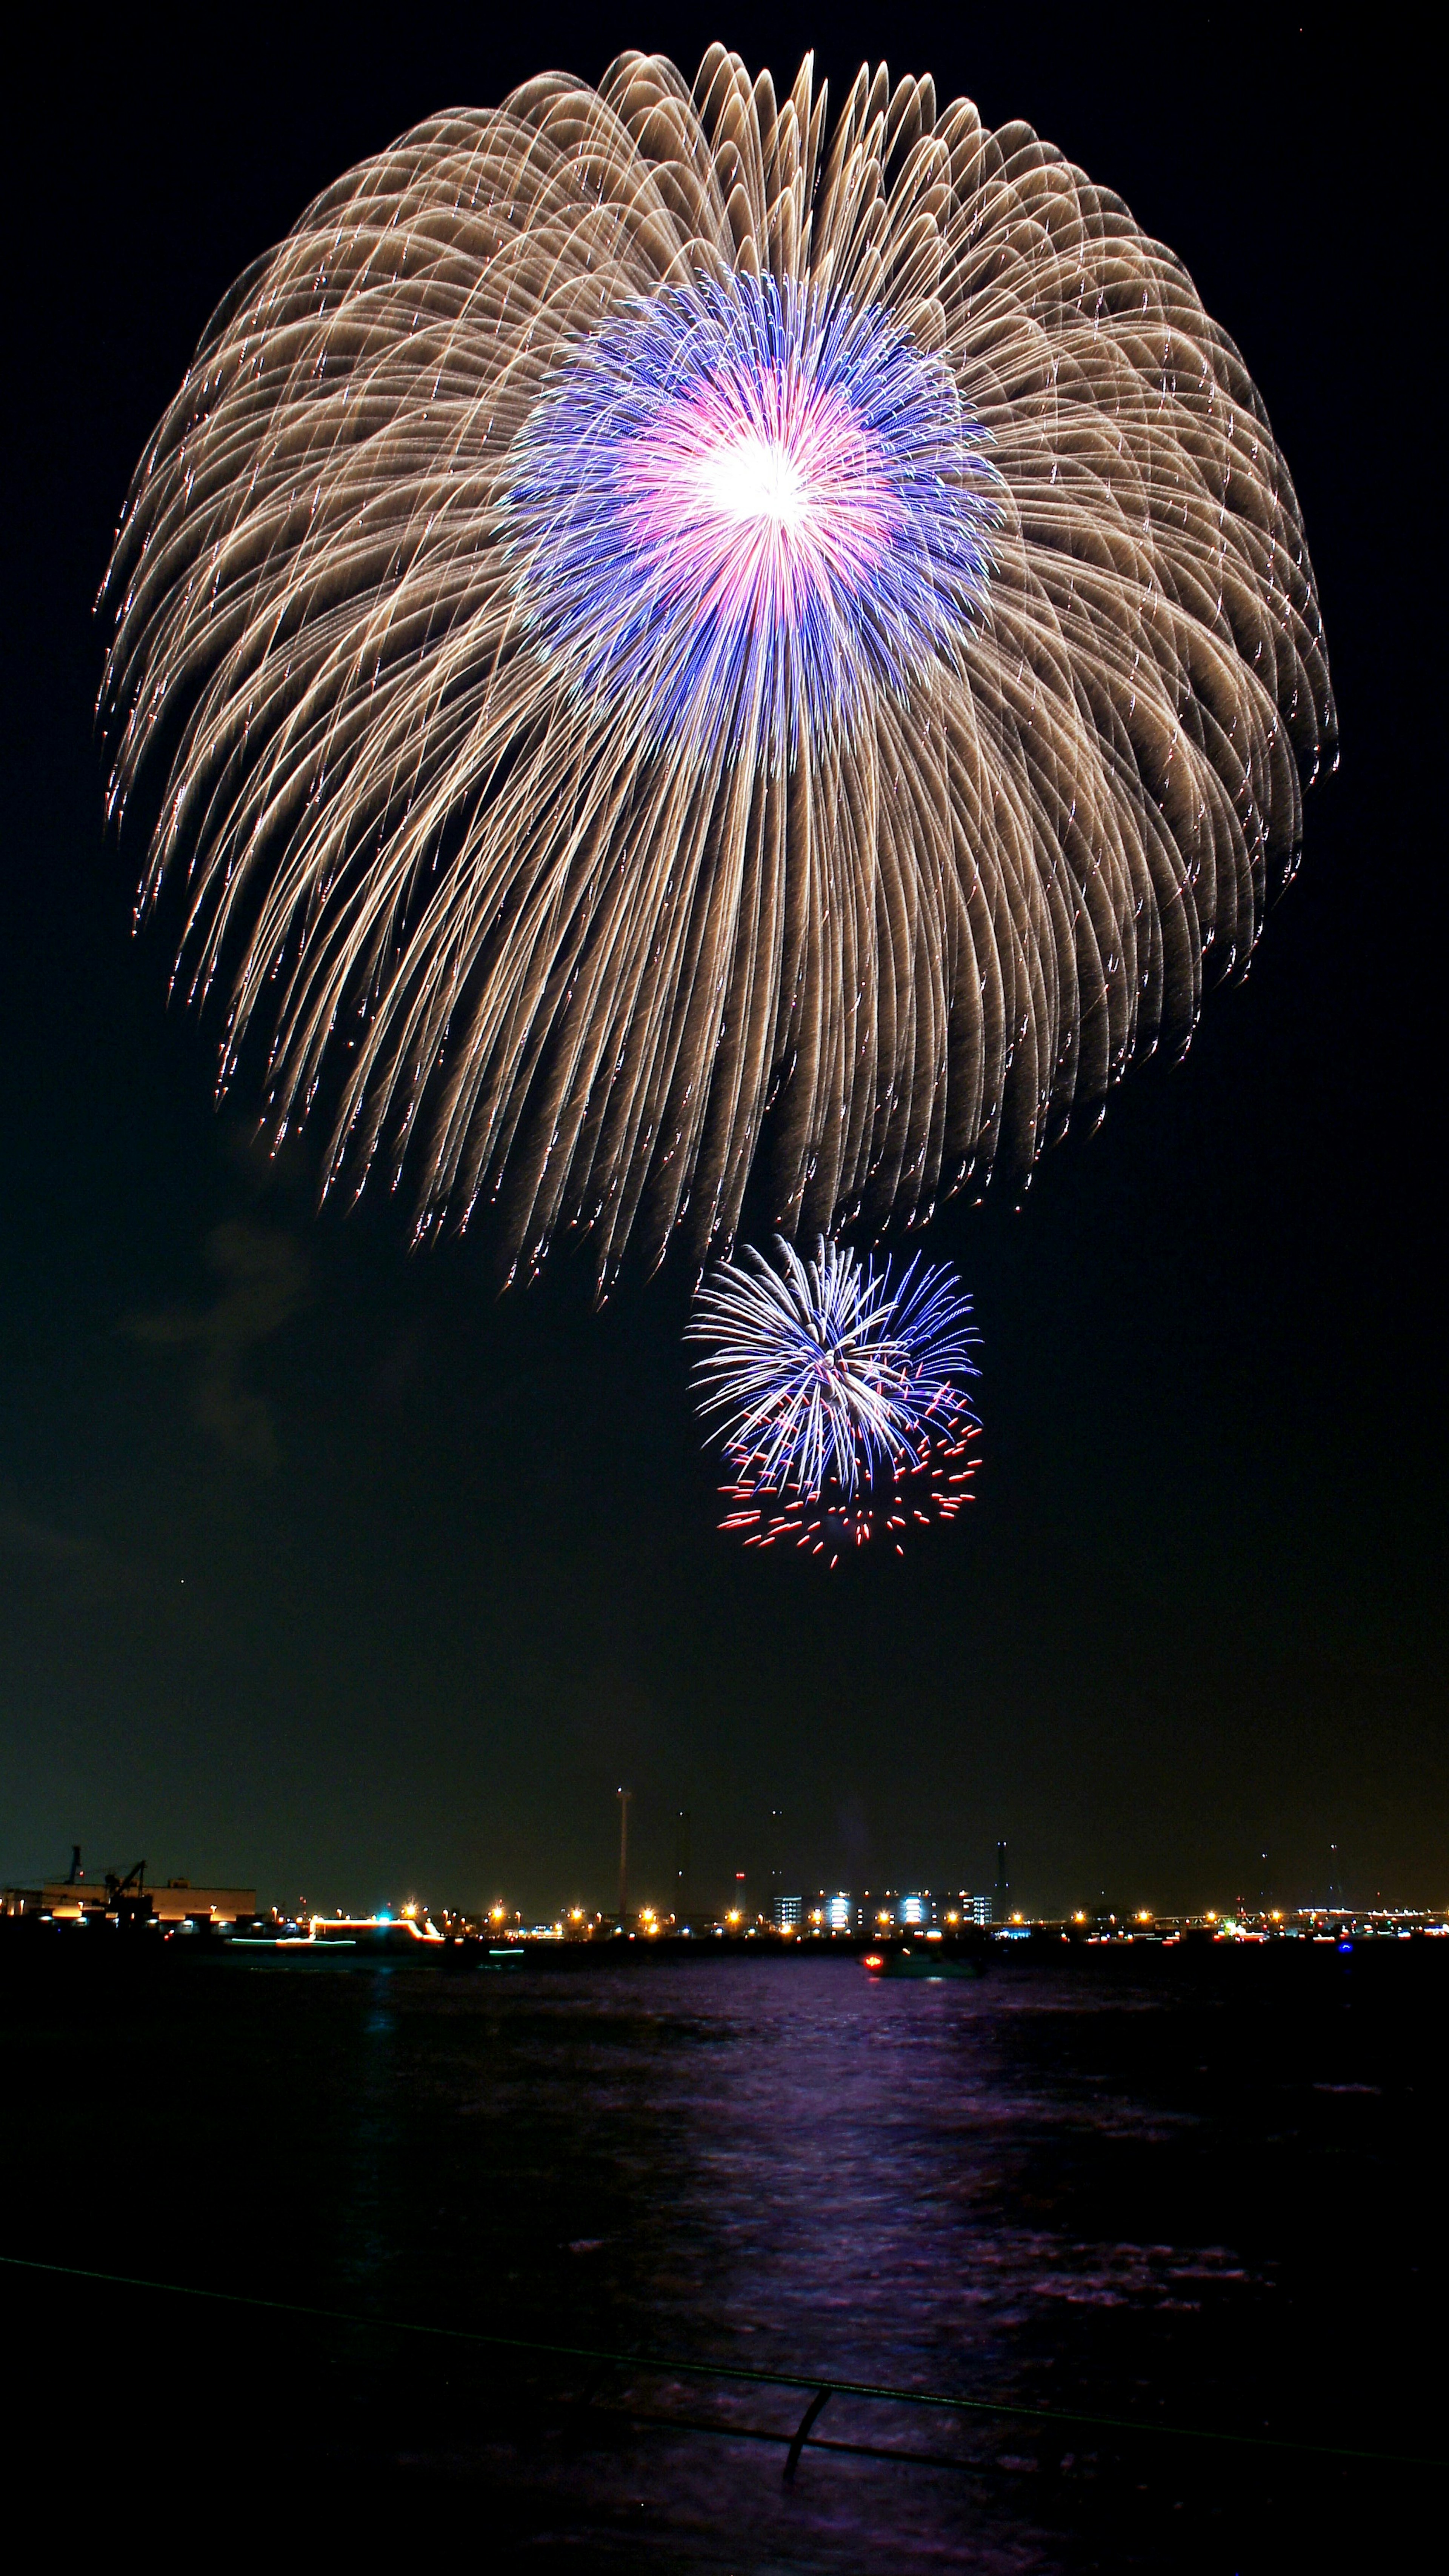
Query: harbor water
(1174,2228)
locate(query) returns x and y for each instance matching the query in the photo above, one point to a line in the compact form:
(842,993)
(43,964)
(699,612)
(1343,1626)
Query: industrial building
(113,1898)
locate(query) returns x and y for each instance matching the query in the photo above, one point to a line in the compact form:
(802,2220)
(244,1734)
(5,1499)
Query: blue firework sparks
(740,509)
(842,1396)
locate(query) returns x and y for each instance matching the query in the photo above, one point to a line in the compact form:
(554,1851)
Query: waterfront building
(78,1899)
(787,1912)
(832,1910)
(81,1900)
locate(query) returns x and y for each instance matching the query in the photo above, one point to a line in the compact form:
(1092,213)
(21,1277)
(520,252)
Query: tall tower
(682,1865)
(625,1796)
(776,1862)
(1001,1893)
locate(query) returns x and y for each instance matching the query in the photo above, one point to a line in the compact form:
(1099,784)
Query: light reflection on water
(787,2166)
(1084,2189)
(825,2172)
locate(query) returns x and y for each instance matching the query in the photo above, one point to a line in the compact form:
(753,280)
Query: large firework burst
(841,1393)
(659,629)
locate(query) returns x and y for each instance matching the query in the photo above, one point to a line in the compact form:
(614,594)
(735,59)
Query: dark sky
(322,1567)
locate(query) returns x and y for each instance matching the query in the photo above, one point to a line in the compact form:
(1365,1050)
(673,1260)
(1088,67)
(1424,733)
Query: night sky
(324,1568)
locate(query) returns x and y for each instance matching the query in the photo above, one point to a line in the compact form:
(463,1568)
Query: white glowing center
(755,478)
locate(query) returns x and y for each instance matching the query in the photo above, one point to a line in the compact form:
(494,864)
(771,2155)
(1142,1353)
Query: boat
(935,1966)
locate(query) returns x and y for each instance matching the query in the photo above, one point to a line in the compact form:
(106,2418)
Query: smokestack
(776,1860)
(1001,1894)
(624,1797)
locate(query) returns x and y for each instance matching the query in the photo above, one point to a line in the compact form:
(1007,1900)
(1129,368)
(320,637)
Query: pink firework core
(762,504)
(746,513)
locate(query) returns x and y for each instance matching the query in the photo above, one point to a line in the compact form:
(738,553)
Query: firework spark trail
(840,1392)
(662,635)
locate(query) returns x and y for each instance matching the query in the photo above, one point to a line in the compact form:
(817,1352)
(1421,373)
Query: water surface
(1194,2194)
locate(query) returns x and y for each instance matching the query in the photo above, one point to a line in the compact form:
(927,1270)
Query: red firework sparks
(927,1487)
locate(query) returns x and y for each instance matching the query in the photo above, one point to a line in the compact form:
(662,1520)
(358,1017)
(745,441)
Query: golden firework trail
(956,676)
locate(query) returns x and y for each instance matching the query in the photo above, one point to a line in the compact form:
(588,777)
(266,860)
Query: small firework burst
(845,1412)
